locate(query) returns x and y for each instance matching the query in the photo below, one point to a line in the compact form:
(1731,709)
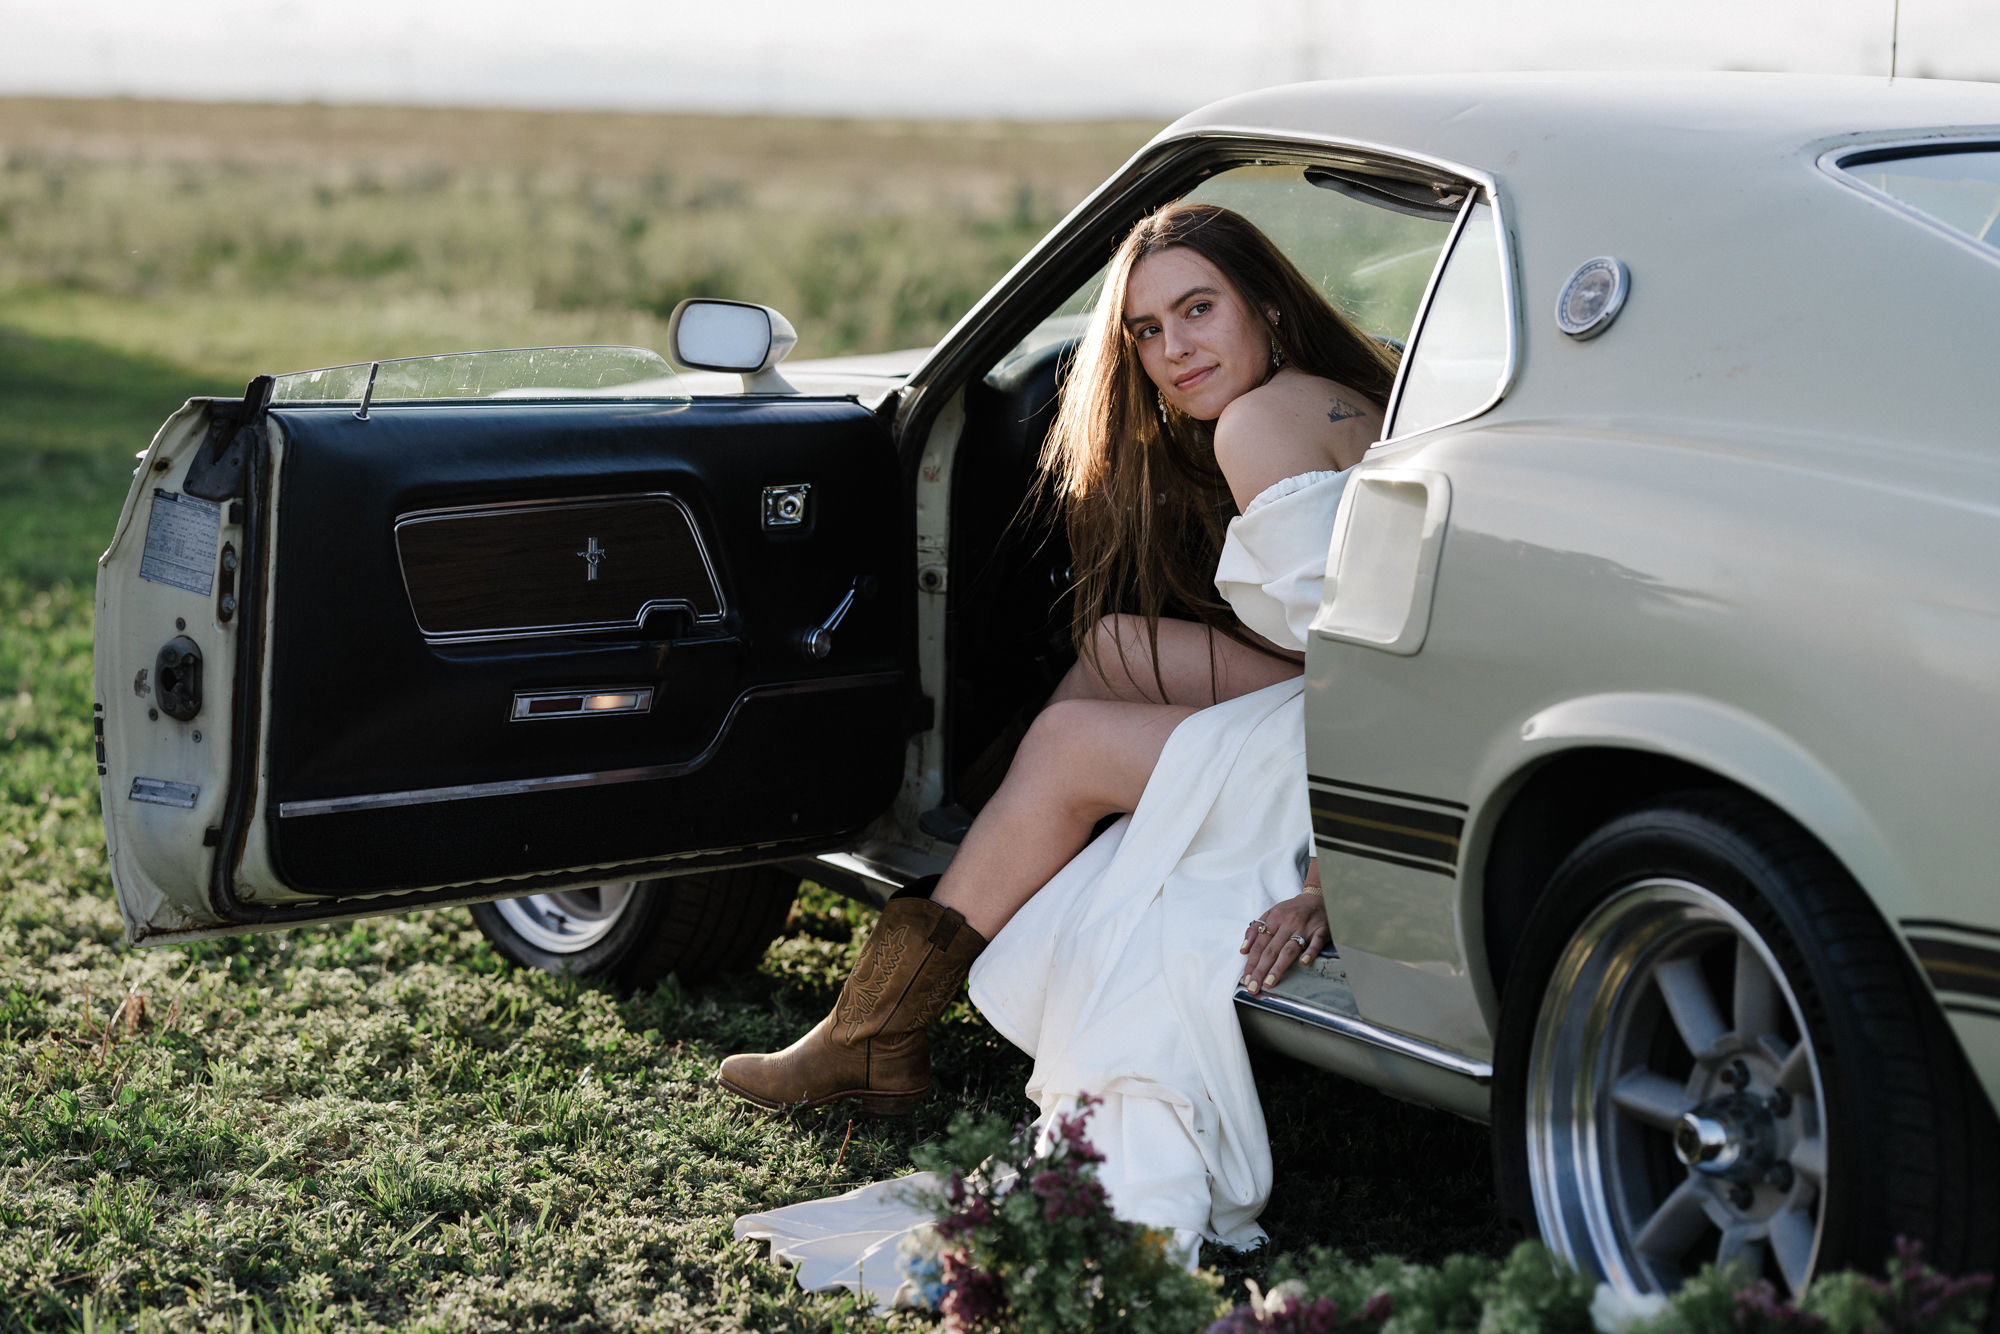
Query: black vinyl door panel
(513,640)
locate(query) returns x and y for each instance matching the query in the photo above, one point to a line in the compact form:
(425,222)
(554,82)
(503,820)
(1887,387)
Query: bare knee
(1056,763)
(1057,734)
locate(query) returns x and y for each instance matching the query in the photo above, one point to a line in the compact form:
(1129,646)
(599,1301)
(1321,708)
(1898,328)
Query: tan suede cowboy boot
(874,1046)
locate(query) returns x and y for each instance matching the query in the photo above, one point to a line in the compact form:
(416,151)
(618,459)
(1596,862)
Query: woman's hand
(1294,931)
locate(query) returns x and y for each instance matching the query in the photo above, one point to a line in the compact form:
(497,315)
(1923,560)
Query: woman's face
(1199,341)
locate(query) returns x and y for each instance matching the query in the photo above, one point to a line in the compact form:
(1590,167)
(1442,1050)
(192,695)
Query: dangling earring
(1160,401)
(1277,356)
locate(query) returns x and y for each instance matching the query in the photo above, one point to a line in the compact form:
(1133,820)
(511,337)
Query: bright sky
(1027,58)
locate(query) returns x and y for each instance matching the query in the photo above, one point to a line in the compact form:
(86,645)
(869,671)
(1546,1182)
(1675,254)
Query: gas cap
(177,678)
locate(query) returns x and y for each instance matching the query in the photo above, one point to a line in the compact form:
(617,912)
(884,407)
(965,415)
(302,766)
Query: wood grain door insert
(552,567)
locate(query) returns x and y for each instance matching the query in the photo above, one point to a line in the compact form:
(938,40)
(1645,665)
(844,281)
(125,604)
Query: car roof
(1767,294)
(1479,120)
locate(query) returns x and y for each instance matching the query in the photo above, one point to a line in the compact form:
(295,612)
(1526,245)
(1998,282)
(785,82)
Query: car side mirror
(708,334)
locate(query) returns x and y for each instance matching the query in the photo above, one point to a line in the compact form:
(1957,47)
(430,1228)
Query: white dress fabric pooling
(1118,976)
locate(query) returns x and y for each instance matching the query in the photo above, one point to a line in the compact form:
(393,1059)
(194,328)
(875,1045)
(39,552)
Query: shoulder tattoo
(1342,410)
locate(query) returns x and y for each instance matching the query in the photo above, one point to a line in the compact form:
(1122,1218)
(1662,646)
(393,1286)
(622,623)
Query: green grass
(236,240)
(72,414)
(382,1125)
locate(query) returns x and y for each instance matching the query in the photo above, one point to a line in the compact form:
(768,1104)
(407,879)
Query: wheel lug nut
(1780,1175)
(1736,1074)
(1741,1195)
(1780,1103)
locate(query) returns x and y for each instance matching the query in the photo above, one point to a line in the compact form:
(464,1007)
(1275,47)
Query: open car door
(440,630)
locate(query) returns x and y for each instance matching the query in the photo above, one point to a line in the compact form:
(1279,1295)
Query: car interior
(1371,242)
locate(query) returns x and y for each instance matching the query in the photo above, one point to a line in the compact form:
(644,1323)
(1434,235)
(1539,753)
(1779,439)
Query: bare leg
(1193,678)
(1083,759)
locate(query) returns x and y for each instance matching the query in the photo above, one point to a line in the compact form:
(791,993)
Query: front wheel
(633,933)
(1713,1050)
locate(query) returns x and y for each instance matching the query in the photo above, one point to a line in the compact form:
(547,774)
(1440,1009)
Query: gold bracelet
(1316,891)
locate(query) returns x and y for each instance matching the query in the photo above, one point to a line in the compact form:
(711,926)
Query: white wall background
(1026,58)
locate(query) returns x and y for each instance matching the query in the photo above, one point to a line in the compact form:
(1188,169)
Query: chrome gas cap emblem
(1592,297)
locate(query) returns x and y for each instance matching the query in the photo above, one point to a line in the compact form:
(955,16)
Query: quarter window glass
(1960,190)
(1461,351)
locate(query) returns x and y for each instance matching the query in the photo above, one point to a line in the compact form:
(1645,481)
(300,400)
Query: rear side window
(1463,352)
(1959,187)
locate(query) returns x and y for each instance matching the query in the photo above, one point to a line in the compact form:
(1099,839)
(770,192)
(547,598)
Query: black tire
(635,933)
(1605,1115)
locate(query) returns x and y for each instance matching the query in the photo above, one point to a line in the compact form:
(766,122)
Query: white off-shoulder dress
(1118,976)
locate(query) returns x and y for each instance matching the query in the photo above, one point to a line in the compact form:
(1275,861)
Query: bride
(1197,460)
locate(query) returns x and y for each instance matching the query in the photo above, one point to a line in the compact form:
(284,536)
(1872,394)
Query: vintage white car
(1653,709)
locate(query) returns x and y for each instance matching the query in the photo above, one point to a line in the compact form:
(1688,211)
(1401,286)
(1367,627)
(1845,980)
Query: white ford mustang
(1653,709)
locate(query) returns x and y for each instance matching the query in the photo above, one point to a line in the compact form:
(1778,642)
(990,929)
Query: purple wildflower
(973,1299)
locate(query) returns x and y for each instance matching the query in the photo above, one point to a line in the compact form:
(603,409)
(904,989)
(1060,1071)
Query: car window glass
(526,373)
(1455,367)
(1960,190)
(1371,260)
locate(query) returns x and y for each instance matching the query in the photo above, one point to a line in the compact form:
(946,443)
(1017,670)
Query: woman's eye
(1198,309)
(1145,331)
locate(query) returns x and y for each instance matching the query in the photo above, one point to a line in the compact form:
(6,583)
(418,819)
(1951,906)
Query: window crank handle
(817,642)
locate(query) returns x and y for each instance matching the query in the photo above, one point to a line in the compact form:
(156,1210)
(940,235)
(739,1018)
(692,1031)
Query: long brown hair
(1143,500)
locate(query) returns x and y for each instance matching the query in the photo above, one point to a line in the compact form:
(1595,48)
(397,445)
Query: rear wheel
(1712,1049)
(633,933)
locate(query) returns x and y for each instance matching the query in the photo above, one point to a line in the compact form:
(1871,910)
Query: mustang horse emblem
(592,553)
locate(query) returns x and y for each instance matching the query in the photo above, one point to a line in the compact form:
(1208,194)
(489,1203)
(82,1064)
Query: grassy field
(234,240)
(383,1126)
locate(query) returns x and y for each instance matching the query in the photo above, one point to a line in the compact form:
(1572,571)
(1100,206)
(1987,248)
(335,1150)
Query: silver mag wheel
(1675,1103)
(1713,1049)
(632,933)
(569,921)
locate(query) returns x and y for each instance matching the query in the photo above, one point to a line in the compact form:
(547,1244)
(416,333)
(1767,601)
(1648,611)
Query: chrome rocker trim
(1360,1030)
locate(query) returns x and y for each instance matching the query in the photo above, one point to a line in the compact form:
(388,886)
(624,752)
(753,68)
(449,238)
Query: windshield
(526,373)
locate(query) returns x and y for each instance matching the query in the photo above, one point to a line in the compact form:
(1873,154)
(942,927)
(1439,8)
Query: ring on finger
(1298,940)
(1263,927)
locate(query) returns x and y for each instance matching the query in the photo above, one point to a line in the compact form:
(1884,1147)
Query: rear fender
(1704,733)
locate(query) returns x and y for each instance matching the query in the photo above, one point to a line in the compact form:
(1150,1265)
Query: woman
(1214,379)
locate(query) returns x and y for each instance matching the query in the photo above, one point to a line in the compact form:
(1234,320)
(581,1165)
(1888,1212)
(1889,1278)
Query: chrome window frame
(1164,157)
(1834,162)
